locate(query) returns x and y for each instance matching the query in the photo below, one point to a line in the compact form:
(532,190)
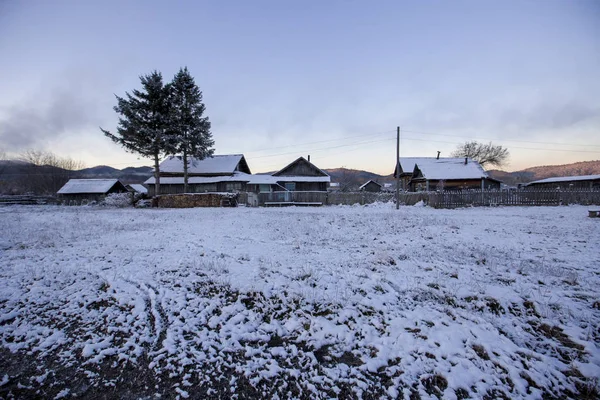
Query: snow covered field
(348,302)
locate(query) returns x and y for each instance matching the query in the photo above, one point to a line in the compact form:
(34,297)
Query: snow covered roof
(99,186)
(407,164)
(262,179)
(238,177)
(138,188)
(566,179)
(450,168)
(215,165)
(369,181)
(178,180)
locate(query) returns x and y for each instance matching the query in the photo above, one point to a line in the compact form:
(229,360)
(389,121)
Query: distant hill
(350,179)
(17,177)
(126,175)
(547,171)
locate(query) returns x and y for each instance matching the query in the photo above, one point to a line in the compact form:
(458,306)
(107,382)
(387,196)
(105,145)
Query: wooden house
(81,191)
(371,186)
(567,182)
(221,173)
(300,182)
(407,166)
(435,173)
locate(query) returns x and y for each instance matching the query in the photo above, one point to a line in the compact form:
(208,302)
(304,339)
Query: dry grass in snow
(347,302)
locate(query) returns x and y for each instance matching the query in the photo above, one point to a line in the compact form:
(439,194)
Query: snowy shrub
(144,203)
(117,200)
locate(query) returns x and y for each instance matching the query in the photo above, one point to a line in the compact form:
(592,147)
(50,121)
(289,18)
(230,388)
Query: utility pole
(398,168)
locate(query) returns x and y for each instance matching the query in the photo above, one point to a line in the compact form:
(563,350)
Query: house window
(291,186)
(264,188)
(231,186)
(208,187)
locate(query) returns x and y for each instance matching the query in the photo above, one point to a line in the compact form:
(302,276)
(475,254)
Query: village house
(220,173)
(567,182)
(299,183)
(407,166)
(443,173)
(81,191)
(370,186)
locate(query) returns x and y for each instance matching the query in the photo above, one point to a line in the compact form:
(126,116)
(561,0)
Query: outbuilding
(371,186)
(567,182)
(82,191)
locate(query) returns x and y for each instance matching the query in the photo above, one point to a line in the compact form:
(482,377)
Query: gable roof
(215,165)
(448,168)
(138,188)
(407,164)
(91,186)
(566,179)
(299,160)
(369,181)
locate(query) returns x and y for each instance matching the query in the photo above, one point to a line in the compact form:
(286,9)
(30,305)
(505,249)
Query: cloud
(69,105)
(549,116)
(34,124)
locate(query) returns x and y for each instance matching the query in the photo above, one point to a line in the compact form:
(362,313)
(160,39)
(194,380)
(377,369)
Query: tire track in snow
(156,314)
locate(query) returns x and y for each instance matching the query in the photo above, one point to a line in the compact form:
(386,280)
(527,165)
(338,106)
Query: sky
(333,79)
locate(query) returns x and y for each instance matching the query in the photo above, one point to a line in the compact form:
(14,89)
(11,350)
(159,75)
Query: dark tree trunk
(185,172)
(156,176)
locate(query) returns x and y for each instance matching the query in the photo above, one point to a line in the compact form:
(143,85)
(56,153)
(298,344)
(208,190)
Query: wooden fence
(443,199)
(292,198)
(537,197)
(336,198)
(26,200)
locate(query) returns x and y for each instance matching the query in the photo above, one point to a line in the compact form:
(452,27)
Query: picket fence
(533,197)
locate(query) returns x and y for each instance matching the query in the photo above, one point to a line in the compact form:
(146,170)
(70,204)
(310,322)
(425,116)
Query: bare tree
(348,182)
(484,153)
(46,172)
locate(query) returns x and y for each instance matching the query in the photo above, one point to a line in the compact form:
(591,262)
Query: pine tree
(144,117)
(192,129)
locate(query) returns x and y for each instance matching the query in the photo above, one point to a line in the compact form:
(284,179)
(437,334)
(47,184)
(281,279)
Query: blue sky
(331,79)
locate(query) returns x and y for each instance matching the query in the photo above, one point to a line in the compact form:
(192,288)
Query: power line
(512,147)
(320,141)
(325,148)
(504,140)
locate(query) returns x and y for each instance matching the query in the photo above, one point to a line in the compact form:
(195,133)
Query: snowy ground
(347,302)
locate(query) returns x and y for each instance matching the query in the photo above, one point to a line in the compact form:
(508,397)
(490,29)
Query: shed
(567,182)
(137,188)
(85,190)
(371,186)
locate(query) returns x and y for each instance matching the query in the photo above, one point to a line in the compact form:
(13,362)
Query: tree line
(36,172)
(163,119)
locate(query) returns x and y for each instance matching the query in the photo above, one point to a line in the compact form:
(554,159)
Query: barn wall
(198,188)
(303,186)
(372,187)
(567,185)
(453,185)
